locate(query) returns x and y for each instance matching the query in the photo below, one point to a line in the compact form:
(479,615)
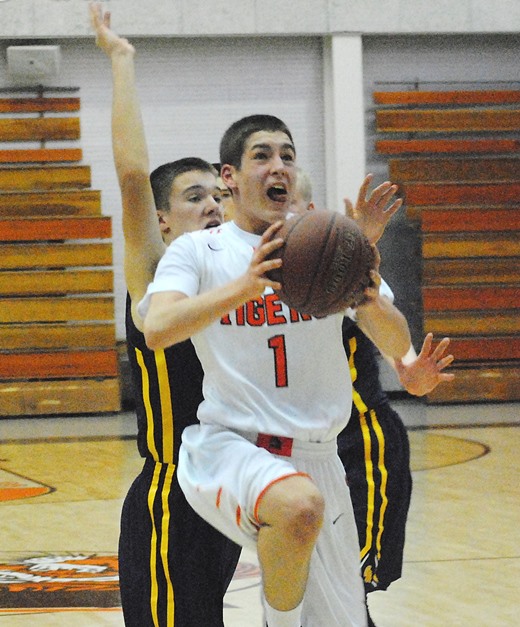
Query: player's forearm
(386,326)
(128,138)
(401,368)
(168,322)
(142,236)
(406,360)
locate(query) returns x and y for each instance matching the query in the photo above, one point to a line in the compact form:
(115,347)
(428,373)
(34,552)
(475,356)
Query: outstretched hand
(106,39)
(425,373)
(373,213)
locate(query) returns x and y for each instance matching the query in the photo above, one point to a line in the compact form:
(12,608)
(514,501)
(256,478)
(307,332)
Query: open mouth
(278,193)
(212,224)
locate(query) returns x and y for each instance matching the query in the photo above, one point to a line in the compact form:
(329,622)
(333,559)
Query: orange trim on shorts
(238,515)
(219,494)
(262,493)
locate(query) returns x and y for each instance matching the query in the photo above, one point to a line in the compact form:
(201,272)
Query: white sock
(277,618)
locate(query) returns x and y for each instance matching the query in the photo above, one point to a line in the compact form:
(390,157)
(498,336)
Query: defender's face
(263,187)
(299,204)
(227,203)
(194,205)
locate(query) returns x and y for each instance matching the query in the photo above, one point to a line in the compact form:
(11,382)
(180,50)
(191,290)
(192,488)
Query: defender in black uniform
(174,568)
(374,446)
(375,452)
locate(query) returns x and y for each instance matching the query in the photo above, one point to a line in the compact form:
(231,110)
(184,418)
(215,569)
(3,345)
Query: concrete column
(344,118)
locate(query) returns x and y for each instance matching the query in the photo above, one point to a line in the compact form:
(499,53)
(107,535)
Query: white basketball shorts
(223,475)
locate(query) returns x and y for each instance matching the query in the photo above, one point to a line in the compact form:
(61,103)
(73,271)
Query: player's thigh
(225,476)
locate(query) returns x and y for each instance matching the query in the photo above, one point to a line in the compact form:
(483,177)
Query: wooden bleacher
(57,333)
(455,155)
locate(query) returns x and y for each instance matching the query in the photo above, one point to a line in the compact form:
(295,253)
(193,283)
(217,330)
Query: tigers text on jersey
(267,368)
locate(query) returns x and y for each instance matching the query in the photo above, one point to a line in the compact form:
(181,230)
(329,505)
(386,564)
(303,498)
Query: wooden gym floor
(62,482)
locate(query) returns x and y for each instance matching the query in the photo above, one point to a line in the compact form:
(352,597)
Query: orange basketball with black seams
(326,263)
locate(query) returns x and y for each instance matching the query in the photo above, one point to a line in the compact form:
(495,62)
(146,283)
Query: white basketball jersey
(267,368)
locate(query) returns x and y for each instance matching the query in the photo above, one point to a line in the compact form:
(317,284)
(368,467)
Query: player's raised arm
(385,325)
(381,321)
(143,242)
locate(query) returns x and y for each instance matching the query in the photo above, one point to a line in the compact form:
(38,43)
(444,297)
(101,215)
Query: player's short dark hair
(236,136)
(163,177)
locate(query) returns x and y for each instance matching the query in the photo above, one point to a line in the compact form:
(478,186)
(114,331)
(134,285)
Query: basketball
(326,263)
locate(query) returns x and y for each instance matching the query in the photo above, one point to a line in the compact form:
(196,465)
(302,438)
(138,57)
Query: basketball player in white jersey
(262,466)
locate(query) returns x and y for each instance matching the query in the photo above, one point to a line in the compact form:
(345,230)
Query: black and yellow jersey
(375,452)
(167,387)
(363,358)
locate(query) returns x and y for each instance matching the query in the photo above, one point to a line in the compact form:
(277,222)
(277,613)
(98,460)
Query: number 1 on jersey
(277,343)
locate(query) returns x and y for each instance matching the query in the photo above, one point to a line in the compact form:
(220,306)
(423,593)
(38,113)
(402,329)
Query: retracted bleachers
(456,158)
(57,334)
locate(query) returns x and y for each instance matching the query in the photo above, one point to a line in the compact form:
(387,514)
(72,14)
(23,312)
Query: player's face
(228,206)
(264,184)
(194,205)
(299,204)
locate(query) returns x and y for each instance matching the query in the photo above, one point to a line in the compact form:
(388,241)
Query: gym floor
(62,482)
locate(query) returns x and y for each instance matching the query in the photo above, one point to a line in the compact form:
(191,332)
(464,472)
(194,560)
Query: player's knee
(305,517)
(294,508)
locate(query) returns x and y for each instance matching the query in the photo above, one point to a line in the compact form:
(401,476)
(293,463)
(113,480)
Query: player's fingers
(270,232)
(375,279)
(377,258)
(274,285)
(394,207)
(386,195)
(94,10)
(268,264)
(349,208)
(441,348)
(369,294)
(446,376)
(267,249)
(445,362)
(364,188)
(384,189)
(264,267)
(426,345)
(378,193)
